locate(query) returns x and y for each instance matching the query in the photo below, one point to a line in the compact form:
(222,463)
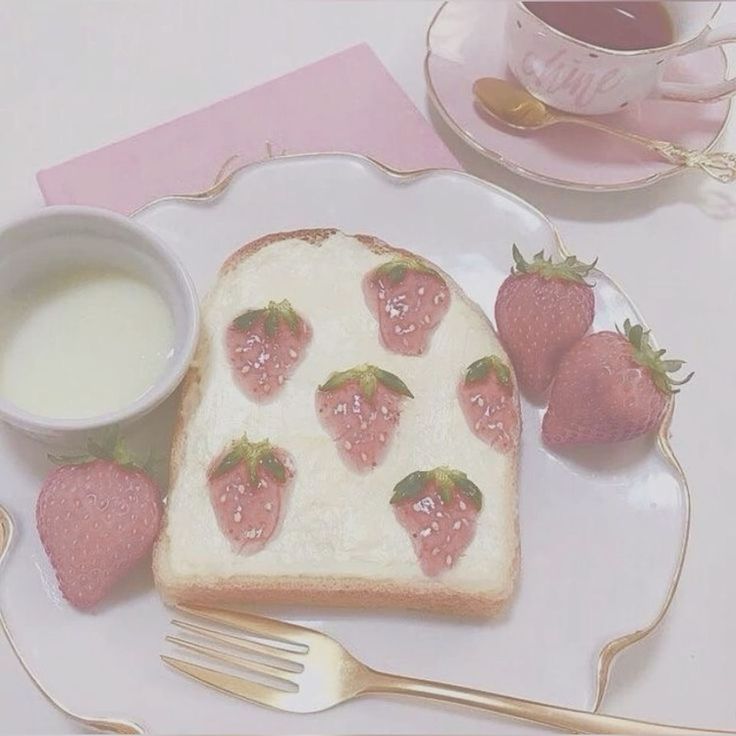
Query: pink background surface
(345,102)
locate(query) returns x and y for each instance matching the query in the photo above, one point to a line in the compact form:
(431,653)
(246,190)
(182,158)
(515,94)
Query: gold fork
(303,671)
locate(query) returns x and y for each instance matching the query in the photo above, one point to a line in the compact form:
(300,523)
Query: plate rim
(491,155)
(610,651)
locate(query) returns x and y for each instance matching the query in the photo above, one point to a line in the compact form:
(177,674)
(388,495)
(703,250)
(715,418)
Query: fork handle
(567,719)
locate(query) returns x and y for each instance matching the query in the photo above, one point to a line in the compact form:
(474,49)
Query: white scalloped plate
(602,532)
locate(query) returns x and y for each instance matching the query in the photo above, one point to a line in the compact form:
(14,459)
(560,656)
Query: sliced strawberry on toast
(409,299)
(487,396)
(264,346)
(360,408)
(97,515)
(248,484)
(439,509)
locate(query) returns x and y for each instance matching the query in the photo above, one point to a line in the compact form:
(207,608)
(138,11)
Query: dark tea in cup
(621,26)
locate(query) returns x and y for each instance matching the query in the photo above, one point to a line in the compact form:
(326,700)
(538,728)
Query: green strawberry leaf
(274,466)
(70,459)
(681,382)
(337,380)
(478,370)
(99,450)
(368,377)
(292,319)
(672,366)
(368,384)
(410,487)
(110,447)
(469,490)
(644,354)
(111,439)
(635,335)
(123,457)
(151,462)
(245,320)
(396,269)
(571,269)
(392,382)
(271,323)
(131,465)
(281,311)
(444,478)
(503,372)
(106,448)
(228,462)
(521,265)
(395,274)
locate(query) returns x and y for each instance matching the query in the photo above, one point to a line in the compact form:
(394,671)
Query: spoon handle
(719,165)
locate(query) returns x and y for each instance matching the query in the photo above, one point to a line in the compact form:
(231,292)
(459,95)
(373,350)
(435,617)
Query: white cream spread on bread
(337,522)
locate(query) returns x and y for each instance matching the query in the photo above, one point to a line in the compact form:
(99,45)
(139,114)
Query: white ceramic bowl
(62,236)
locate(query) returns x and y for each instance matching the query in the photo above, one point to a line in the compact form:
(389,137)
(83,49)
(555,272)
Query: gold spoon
(101,725)
(519,109)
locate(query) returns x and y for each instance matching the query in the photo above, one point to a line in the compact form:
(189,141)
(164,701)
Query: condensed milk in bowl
(98,321)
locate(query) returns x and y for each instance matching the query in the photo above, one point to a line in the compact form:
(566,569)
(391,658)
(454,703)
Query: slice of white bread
(339,543)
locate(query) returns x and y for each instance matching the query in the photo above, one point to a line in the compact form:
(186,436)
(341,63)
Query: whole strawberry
(542,310)
(97,515)
(609,387)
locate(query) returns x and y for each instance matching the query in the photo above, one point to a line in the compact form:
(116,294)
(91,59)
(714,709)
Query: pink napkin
(346,102)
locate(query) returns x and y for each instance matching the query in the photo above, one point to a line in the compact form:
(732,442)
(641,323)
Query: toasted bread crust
(348,592)
(355,592)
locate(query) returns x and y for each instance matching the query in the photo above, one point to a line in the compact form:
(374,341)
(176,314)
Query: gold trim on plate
(498,158)
(610,650)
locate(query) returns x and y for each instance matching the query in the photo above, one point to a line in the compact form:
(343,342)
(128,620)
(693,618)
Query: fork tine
(276,673)
(239,642)
(258,624)
(226,683)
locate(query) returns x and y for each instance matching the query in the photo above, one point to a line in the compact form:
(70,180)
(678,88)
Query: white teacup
(581,78)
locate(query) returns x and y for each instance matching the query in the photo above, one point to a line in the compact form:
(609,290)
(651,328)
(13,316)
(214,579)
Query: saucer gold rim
(512,166)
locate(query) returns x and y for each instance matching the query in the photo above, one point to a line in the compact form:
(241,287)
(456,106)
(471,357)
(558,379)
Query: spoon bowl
(511,104)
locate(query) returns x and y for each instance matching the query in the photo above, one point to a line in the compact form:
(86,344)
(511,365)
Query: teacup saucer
(465,40)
